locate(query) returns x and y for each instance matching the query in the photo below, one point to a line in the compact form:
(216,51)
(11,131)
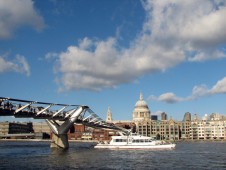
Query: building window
(141,114)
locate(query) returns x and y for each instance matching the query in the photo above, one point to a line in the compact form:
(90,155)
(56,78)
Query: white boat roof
(131,136)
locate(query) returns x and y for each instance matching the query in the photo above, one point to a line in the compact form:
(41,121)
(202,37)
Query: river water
(38,155)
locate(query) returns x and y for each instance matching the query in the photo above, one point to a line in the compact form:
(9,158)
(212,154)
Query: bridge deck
(50,111)
(27,114)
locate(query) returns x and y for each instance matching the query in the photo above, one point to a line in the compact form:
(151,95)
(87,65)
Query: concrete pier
(59,141)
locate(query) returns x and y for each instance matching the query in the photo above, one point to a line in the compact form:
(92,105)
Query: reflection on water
(38,155)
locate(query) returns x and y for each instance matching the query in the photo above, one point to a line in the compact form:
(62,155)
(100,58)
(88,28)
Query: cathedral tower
(109,115)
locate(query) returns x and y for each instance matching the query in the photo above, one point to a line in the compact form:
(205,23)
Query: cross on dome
(141,96)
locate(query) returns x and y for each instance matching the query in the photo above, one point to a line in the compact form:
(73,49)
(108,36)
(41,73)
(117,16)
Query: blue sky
(103,53)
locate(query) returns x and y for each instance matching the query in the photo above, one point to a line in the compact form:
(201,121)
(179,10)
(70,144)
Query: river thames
(38,155)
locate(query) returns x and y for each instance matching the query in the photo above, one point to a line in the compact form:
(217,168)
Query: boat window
(120,140)
(136,141)
(141,140)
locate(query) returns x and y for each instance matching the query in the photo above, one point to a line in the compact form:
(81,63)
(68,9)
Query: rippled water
(38,155)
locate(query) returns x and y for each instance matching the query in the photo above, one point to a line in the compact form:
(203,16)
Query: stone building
(165,129)
(187,117)
(82,132)
(41,130)
(207,129)
(184,129)
(16,130)
(4,129)
(169,129)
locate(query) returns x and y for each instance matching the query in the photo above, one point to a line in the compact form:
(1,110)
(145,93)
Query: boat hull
(108,146)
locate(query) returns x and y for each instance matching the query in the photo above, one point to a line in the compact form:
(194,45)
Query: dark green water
(38,155)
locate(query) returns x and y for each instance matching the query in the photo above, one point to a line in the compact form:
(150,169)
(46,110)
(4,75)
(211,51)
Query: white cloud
(17,13)
(103,67)
(169,98)
(197,92)
(219,87)
(208,28)
(51,55)
(207,55)
(172,31)
(194,20)
(18,64)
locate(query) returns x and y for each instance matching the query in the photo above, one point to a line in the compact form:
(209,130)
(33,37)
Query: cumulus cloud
(197,92)
(207,55)
(219,87)
(17,13)
(18,64)
(168,97)
(174,31)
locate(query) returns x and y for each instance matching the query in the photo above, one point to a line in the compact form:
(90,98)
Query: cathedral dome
(141,110)
(141,103)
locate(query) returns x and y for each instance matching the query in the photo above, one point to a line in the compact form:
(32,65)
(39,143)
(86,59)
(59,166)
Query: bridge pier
(59,141)
(59,137)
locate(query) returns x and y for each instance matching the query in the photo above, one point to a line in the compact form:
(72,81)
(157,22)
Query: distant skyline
(104,53)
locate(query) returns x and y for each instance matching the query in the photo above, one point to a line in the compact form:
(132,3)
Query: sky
(104,53)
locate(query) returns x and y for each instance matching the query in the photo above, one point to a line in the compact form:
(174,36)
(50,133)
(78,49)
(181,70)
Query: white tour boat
(134,142)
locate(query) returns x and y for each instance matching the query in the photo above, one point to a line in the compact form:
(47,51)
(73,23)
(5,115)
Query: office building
(163,116)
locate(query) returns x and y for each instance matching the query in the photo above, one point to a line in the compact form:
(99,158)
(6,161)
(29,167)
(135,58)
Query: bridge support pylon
(59,136)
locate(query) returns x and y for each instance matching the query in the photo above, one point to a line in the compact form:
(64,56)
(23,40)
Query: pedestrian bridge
(60,117)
